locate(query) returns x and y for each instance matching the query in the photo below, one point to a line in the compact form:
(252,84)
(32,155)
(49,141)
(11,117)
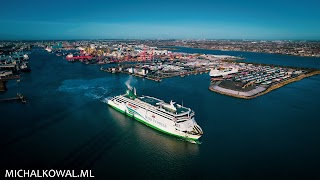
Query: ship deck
(155,102)
(150,100)
(181,109)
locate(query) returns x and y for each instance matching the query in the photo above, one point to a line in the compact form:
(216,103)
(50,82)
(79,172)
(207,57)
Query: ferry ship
(170,118)
(222,72)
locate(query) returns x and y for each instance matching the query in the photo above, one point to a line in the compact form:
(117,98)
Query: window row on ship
(147,104)
(160,113)
(143,106)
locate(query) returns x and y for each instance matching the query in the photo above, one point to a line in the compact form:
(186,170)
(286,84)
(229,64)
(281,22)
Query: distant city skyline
(138,19)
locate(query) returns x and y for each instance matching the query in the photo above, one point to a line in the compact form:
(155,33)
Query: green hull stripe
(150,124)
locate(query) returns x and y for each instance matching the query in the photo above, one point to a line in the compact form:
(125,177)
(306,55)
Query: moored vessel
(222,72)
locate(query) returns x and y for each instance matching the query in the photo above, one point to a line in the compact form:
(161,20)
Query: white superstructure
(70,55)
(170,118)
(222,71)
(48,49)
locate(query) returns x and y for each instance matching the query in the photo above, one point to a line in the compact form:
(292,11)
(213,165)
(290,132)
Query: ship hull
(161,124)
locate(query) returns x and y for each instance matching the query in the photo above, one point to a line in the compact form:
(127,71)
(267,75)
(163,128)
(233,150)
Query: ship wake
(93,88)
(97,89)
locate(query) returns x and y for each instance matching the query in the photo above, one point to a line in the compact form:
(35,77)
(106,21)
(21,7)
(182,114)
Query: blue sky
(198,19)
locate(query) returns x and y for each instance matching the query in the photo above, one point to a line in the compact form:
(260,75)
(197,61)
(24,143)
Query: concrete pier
(19,97)
(260,90)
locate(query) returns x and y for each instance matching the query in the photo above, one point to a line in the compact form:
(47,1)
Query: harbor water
(66,124)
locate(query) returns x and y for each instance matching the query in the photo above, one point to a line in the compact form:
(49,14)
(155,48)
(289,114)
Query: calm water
(275,59)
(67,125)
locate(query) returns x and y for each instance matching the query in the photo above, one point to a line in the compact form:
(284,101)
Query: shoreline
(245,51)
(271,88)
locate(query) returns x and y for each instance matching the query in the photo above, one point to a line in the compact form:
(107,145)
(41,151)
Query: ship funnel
(131,93)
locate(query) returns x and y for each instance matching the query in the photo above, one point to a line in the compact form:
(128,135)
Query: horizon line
(184,39)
